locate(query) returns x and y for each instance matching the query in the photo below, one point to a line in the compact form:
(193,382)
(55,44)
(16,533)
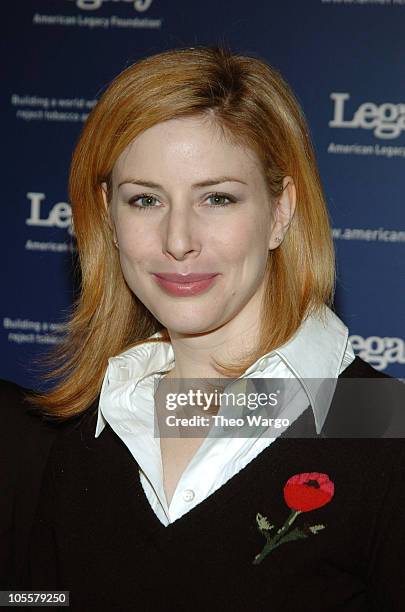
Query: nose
(181,232)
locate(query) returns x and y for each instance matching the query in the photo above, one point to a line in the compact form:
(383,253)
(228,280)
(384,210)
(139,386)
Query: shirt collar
(316,354)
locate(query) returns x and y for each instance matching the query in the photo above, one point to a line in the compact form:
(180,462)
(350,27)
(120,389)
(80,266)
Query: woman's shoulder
(26,434)
(366,403)
(11,394)
(359,368)
(17,413)
(25,437)
(26,440)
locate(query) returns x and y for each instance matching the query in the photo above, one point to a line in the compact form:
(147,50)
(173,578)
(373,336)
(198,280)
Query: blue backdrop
(343,58)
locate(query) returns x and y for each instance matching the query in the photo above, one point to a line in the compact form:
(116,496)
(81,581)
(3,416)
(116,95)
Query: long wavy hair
(250,101)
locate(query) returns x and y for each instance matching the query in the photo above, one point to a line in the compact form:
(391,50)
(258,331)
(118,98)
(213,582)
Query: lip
(185,284)
(185,278)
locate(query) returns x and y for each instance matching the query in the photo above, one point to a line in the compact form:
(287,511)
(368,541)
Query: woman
(205,252)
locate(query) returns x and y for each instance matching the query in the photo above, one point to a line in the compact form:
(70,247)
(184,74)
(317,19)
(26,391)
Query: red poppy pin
(302,493)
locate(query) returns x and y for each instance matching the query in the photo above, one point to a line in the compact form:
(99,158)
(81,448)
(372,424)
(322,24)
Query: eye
(147,201)
(218,199)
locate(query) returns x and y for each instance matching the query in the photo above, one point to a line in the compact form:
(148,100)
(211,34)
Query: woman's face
(187,201)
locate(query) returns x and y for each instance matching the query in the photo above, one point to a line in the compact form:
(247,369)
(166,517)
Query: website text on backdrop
(207,273)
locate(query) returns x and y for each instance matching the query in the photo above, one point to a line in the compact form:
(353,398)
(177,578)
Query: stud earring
(277,239)
(116,242)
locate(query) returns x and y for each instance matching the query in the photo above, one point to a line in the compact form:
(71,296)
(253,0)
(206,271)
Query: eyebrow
(214,181)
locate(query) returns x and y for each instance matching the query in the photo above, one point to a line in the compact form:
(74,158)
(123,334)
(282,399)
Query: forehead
(187,146)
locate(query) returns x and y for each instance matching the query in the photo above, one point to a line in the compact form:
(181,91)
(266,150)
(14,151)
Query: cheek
(246,239)
(136,245)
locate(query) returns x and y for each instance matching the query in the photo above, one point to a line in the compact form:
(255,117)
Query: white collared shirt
(317,354)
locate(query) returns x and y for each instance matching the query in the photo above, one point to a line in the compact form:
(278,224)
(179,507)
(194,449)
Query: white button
(188,495)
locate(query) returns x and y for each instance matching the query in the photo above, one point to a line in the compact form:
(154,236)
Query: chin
(196,326)
(187,330)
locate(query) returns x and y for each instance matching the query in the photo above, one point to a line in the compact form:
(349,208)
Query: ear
(284,208)
(110,220)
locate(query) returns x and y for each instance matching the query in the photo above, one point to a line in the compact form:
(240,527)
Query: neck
(194,354)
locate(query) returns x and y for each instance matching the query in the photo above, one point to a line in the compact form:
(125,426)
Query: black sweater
(95,534)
